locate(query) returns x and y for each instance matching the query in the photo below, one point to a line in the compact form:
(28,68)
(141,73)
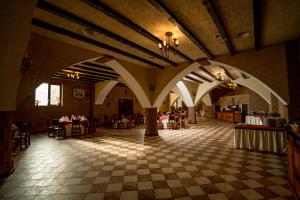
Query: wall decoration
(78,93)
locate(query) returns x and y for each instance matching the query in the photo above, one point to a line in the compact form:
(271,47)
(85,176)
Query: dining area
(171,120)
(71,126)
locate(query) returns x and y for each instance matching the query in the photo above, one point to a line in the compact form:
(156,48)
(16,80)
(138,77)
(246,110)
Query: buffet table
(260,138)
(253,120)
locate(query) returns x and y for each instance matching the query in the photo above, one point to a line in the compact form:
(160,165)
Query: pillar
(192,115)
(6,162)
(15,23)
(151,122)
(293,71)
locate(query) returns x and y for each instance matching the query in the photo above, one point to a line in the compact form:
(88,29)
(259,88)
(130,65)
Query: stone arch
(102,89)
(255,89)
(130,81)
(181,90)
(164,92)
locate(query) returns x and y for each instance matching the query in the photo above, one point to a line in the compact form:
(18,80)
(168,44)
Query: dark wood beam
(84,75)
(92,73)
(166,12)
(257,23)
(227,73)
(75,19)
(202,77)
(125,21)
(72,79)
(208,72)
(218,22)
(98,66)
(56,29)
(97,70)
(193,79)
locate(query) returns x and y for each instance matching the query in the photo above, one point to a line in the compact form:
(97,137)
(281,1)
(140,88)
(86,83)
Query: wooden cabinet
(229,116)
(293,139)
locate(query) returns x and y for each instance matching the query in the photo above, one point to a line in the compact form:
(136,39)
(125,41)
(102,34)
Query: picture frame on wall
(78,93)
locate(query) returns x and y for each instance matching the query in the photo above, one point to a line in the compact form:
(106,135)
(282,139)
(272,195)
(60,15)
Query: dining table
(68,126)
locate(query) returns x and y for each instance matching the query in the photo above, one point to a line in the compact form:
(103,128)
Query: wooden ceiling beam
(97,70)
(208,72)
(193,79)
(126,22)
(93,27)
(97,65)
(56,29)
(166,12)
(227,73)
(202,77)
(256,5)
(218,22)
(92,73)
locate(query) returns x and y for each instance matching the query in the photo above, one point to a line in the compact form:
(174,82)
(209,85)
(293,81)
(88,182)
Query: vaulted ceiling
(131,30)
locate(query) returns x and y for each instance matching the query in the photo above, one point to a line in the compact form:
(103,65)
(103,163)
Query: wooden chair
(182,123)
(58,129)
(50,128)
(171,122)
(76,129)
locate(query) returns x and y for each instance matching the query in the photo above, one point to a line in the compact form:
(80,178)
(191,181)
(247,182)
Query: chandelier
(231,85)
(228,83)
(73,74)
(170,42)
(220,77)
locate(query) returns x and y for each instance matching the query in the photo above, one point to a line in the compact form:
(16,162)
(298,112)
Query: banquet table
(68,127)
(260,138)
(253,120)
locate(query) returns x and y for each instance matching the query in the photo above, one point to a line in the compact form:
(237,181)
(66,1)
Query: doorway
(125,107)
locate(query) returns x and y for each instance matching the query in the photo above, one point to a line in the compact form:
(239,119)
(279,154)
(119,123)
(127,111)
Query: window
(48,94)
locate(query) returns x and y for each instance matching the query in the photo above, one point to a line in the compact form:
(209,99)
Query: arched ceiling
(130,30)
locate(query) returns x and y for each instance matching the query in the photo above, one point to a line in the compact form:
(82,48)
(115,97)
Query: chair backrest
(55,122)
(171,117)
(75,122)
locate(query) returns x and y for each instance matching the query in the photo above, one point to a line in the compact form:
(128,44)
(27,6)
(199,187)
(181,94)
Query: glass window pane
(41,95)
(55,95)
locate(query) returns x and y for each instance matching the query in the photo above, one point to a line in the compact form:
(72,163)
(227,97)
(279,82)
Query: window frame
(49,96)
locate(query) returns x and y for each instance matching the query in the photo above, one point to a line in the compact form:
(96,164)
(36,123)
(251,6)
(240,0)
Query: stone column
(151,122)
(6,162)
(192,115)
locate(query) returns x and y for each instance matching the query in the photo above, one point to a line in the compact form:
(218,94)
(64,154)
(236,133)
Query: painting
(78,93)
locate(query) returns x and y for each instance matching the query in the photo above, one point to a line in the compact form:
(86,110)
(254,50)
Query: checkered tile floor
(194,163)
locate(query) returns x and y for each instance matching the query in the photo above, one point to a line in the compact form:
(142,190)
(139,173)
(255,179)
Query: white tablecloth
(260,140)
(69,129)
(252,120)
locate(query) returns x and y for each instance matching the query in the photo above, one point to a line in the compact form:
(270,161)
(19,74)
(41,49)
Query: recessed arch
(255,79)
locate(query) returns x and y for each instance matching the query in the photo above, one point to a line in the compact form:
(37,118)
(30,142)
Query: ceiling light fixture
(220,77)
(170,42)
(73,74)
